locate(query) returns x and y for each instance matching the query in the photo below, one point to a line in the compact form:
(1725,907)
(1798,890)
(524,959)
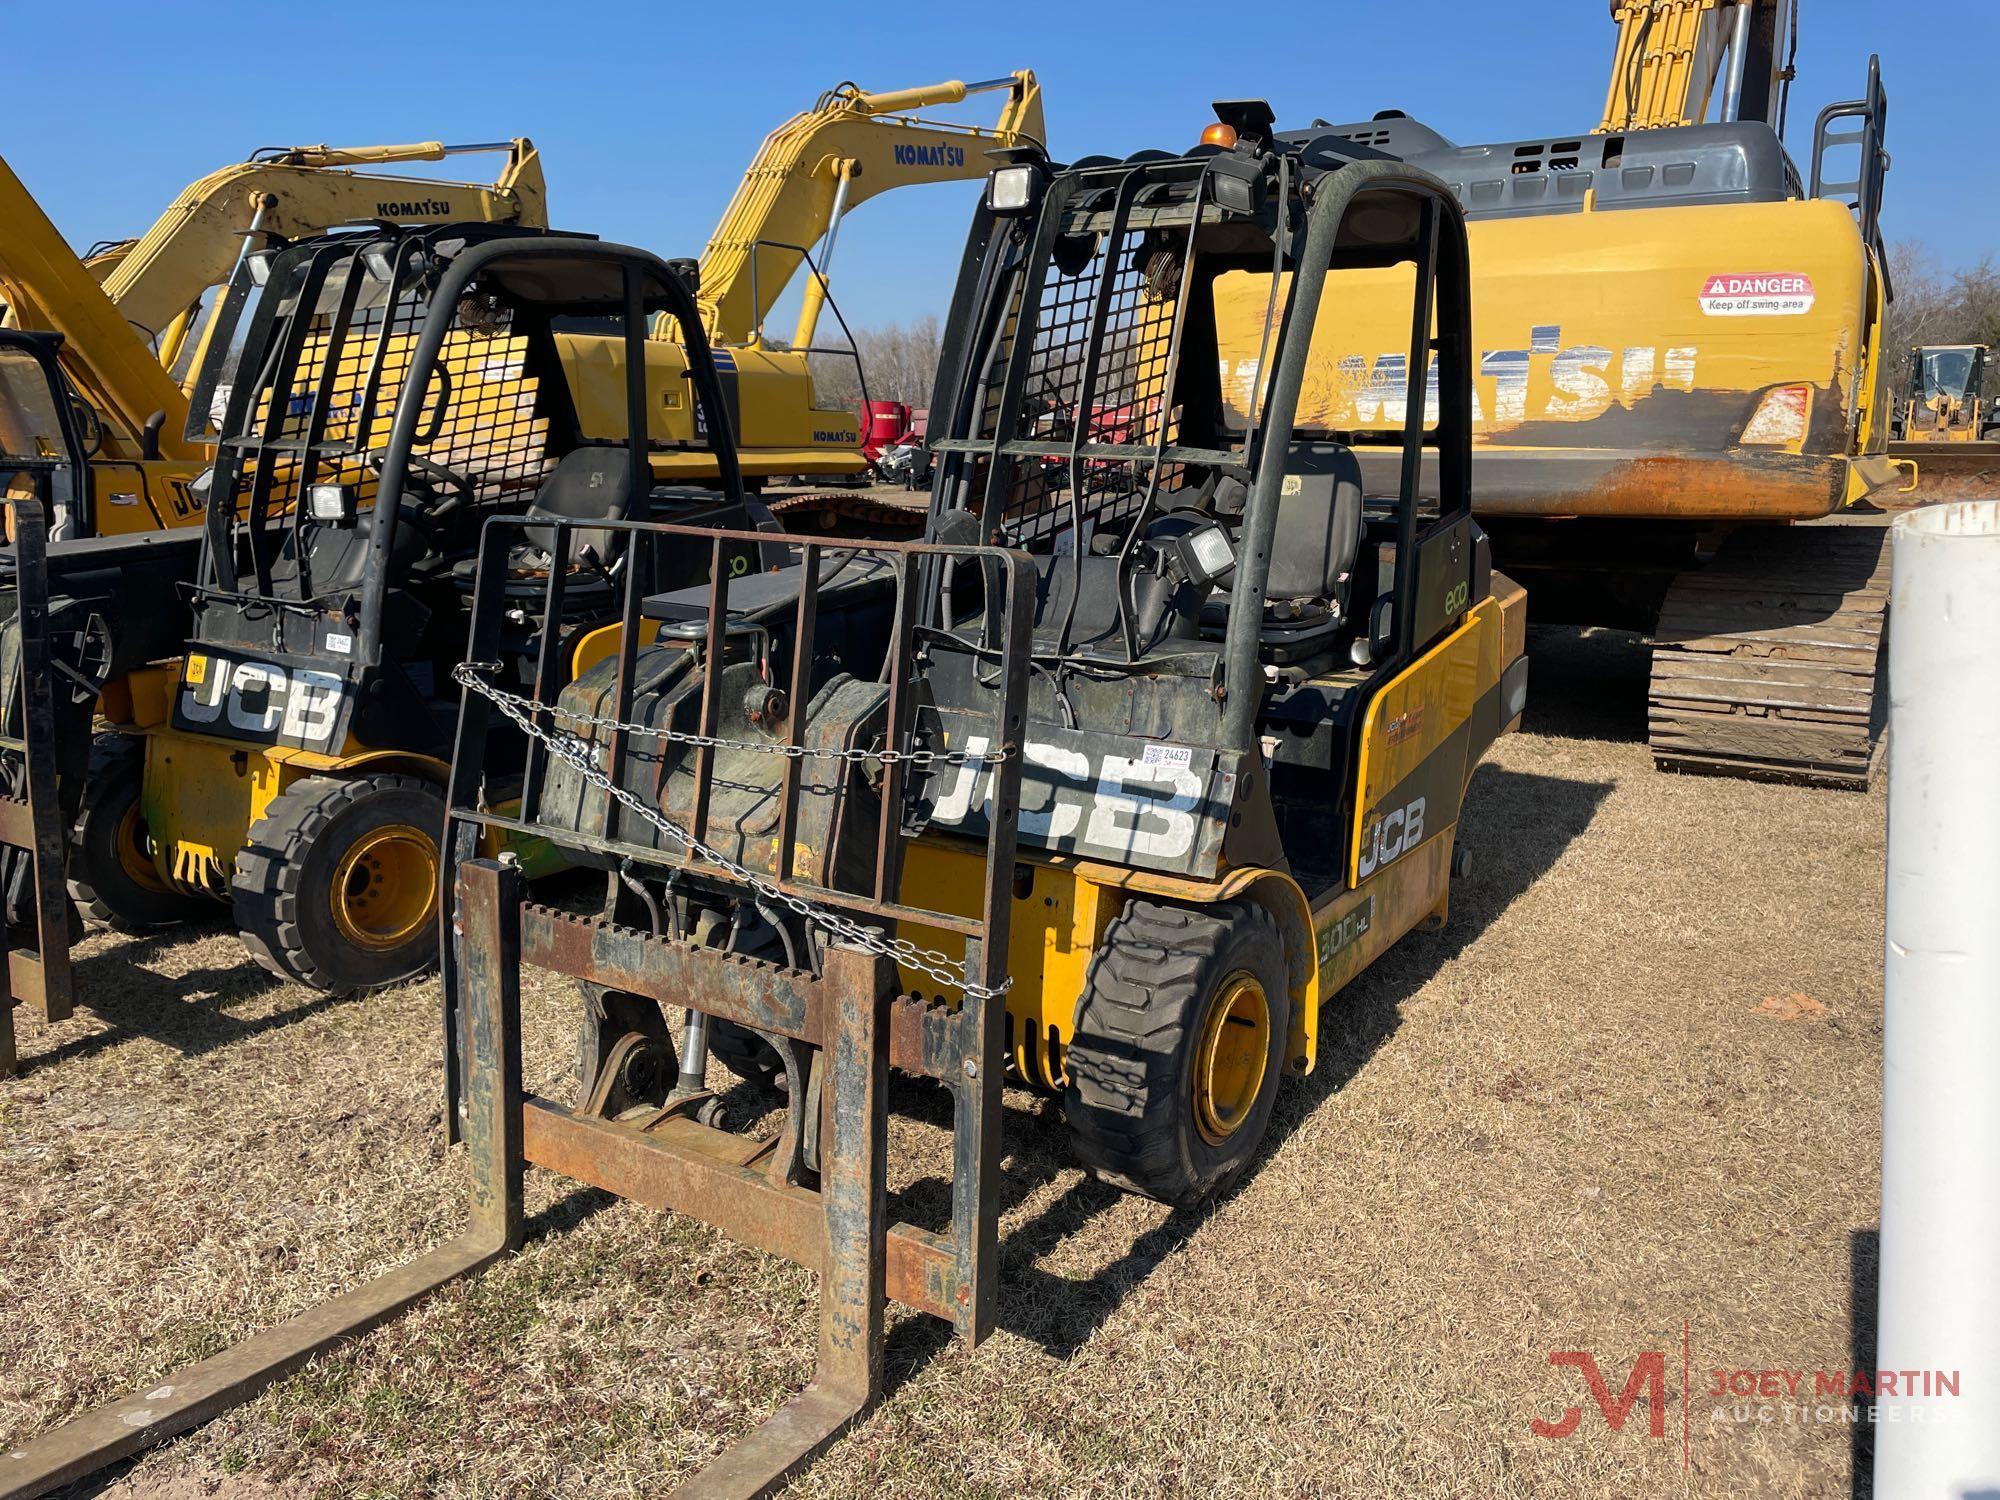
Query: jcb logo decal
(1391,837)
(1126,808)
(261,701)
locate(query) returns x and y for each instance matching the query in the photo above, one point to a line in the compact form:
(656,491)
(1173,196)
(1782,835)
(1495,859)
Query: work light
(1011,190)
(332,504)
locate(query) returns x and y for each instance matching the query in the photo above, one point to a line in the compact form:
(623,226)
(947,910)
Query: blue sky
(647,114)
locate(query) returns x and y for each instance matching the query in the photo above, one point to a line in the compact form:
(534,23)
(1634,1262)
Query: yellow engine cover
(1714,361)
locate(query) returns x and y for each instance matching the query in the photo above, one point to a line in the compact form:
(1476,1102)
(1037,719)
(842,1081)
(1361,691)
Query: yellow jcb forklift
(1110,784)
(290,760)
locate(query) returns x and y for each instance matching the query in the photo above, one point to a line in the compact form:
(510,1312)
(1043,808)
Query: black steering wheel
(462,488)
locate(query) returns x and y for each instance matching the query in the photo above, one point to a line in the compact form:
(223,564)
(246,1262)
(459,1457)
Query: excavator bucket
(31,824)
(1950,471)
(750,687)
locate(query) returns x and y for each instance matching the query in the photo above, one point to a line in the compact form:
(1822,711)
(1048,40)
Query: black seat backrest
(1319,523)
(589,484)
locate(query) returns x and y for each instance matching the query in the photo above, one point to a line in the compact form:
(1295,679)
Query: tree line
(1936,305)
(900,362)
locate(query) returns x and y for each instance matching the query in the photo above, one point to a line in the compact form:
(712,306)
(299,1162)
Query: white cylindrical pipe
(1940,1277)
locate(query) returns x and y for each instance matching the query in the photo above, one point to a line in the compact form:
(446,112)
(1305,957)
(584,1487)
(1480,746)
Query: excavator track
(1766,663)
(881,512)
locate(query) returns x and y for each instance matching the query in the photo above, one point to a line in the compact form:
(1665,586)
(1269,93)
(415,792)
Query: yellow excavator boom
(810,171)
(46,287)
(159,278)
(126,312)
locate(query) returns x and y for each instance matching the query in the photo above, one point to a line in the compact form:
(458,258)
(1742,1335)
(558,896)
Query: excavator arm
(818,165)
(47,288)
(125,313)
(1673,55)
(158,279)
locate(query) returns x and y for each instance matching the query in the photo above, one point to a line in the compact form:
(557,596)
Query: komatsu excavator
(1679,358)
(129,315)
(785,217)
(160,280)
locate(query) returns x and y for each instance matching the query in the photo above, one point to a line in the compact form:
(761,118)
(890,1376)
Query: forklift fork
(491,1129)
(31,823)
(855,1011)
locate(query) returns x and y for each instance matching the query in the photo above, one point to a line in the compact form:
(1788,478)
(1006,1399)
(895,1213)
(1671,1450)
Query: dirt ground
(1626,1101)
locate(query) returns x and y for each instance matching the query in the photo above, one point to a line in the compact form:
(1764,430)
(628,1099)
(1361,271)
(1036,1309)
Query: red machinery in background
(892,439)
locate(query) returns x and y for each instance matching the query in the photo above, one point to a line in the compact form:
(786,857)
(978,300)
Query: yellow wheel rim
(135,852)
(385,887)
(1230,1060)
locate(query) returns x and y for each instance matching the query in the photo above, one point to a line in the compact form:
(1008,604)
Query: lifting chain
(576,751)
(466,674)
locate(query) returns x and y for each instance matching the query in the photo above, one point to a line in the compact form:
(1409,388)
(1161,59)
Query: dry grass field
(1627,1097)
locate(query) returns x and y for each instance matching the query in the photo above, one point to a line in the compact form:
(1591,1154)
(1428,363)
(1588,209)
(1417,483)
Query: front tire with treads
(1174,1062)
(337,885)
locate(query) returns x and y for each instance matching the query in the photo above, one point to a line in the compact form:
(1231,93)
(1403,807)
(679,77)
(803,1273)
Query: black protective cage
(1048,318)
(348,344)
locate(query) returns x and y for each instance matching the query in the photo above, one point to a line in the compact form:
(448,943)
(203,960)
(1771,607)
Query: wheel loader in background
(1109,784)
(1679,358)
(1948,424)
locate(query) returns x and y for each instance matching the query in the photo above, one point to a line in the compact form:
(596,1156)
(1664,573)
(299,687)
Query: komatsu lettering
(930,156)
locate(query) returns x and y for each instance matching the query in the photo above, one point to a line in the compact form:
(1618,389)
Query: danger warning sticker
(1763,295)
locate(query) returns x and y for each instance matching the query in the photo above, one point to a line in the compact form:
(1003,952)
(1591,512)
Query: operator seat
(1313,553)
(588,484)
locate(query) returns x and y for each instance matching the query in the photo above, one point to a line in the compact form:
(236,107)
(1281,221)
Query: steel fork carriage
(31,831)
(854,1012)
(848,1006)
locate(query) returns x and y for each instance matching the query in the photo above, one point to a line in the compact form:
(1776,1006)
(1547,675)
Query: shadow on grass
(1864,1265)
(1587,684)
(191,1012)
(1516,824)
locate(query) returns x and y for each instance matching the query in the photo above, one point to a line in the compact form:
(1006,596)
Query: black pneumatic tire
(110,878)
(294,921)
(1141,1029)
